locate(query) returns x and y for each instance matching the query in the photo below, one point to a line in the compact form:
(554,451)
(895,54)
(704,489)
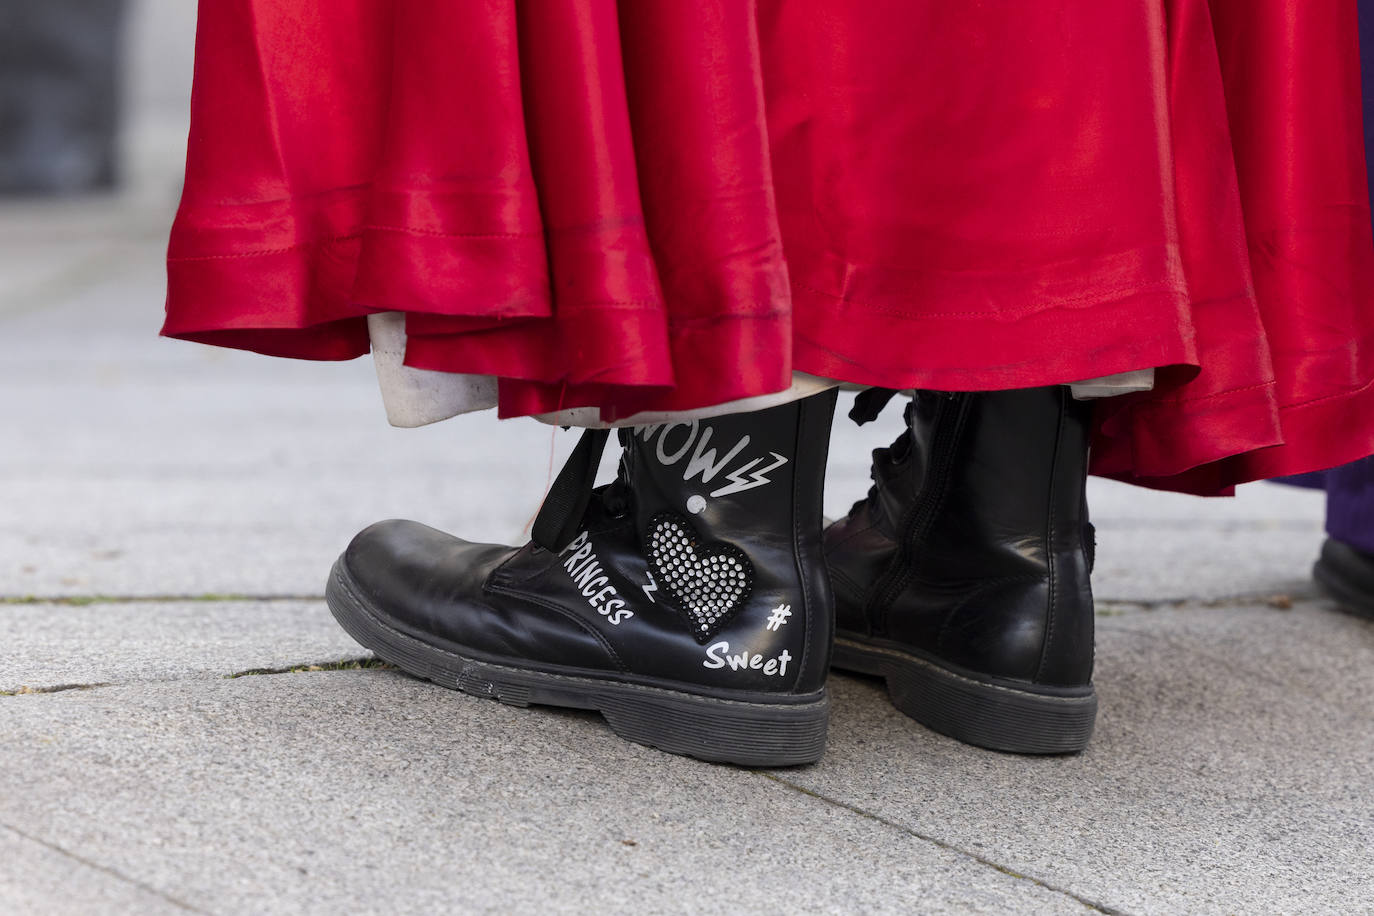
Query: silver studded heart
(709,581)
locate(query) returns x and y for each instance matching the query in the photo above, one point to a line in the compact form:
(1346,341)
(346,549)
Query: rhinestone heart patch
(710,582)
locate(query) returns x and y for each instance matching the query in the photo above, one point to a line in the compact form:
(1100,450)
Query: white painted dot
(696,504)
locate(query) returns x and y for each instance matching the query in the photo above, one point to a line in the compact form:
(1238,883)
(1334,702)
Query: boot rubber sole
(709,728)
(985,713)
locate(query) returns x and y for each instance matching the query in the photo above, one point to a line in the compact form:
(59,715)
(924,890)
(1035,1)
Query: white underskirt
(418,397)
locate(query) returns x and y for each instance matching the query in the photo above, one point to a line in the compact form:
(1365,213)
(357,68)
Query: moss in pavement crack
(352,664)
(56,688)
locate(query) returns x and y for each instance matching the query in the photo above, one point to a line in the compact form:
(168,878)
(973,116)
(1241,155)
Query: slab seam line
(148,888)
(88,600)
(352,663)
(949,847)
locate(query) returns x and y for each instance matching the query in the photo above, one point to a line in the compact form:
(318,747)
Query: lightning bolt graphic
(651,587)
(756,479)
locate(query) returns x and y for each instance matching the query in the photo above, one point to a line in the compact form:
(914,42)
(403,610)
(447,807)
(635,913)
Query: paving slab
(1230,770)
(56,645)
(368,791)
(1205,558)
(217,512)
(39,878)
(1311,651)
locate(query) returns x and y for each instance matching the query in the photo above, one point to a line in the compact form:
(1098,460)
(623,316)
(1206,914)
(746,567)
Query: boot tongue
(869,403)
(561,514)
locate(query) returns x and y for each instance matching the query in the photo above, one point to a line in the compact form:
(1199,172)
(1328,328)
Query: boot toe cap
(431,586)
(412,570)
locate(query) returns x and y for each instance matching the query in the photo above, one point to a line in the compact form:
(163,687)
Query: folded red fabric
(664,205)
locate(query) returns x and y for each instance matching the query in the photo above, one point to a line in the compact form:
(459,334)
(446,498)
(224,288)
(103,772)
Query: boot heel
(745,734)
(719,731)
(991,715)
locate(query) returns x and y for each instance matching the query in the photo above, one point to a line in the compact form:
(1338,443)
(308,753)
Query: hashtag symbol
(779,616)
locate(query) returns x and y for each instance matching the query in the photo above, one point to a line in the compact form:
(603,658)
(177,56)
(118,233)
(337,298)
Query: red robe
(665,204)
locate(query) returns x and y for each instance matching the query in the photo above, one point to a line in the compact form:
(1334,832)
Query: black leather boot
(1346,573)
(687,601)
(962,579)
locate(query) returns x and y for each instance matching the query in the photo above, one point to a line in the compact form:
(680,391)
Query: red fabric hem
(1310,445)
(605,346)
(281,303)
(1038,348)
(663,206)
(1164,447)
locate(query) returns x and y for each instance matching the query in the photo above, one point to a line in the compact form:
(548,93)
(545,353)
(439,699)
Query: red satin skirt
(666,204)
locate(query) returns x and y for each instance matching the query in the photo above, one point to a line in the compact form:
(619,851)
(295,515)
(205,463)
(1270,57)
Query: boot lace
(867,405)
(618,496)
(567,500)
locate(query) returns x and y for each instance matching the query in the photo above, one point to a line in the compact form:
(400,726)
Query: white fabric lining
(418,397)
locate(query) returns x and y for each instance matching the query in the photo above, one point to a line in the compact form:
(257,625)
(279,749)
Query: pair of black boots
(691,603)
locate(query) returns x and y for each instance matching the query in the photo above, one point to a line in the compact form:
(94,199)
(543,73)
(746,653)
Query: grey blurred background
(93,94)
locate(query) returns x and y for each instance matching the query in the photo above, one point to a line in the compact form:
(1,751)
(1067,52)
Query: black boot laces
(867,405)
(568,499)
(618,496)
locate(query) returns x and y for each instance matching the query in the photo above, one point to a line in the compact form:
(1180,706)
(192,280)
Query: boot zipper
(899,574)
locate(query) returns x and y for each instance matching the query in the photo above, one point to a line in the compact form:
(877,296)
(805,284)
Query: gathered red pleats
(667,204)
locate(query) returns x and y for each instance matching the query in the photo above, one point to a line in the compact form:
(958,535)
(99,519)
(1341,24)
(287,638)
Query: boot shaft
(709,540)
(728,510)
(761,472)
(990,568)
(1001,480)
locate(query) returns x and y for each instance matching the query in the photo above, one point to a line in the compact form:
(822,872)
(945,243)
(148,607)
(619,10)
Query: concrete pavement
(182,726)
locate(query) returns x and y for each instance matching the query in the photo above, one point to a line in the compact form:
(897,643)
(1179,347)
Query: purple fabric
(1350,504)
(1313,481)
